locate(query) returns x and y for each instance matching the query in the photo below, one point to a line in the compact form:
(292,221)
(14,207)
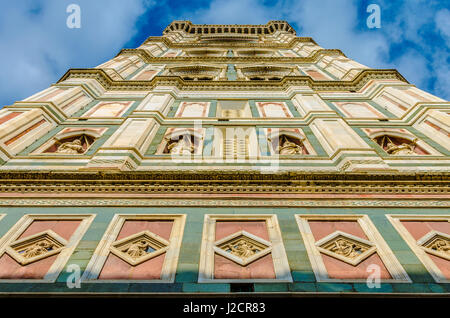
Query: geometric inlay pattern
(346,247)
(436,243)
(140,247)
(36,247)
(242,247)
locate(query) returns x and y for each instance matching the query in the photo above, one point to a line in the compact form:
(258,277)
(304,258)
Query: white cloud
(413,67)
(337,24)
(232,12)
(442,21)
(37,47)
(333,24)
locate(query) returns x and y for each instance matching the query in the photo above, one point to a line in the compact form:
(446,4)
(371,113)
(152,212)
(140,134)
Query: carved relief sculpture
(347,248)
(242,249)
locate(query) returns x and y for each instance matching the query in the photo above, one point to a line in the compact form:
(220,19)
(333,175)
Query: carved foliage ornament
(346,247)
(36,247)
(242,247)
(140,247)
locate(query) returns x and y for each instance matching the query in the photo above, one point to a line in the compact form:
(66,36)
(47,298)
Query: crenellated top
(234,29)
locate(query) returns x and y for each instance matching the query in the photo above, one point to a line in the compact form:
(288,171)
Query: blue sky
(37,47)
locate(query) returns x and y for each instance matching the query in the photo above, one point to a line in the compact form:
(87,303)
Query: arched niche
(205,52)
(182,142)
(195,72)
(72,143)
(398,144)
(266,72)
(287,143)
(255,53)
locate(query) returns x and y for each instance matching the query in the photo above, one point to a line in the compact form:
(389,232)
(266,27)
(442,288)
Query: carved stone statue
(37,249)
(243,249)
(137,249)
(183,146)
(347,249)
(400,150)
(70,147)
(288,147)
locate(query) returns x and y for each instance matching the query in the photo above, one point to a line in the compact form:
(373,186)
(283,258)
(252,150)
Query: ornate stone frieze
(354,85)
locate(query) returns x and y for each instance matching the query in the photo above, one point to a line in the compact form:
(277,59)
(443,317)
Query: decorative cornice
(243,183)
(354,85)
(276,45)
(205,202)
(269,28)
(313,58)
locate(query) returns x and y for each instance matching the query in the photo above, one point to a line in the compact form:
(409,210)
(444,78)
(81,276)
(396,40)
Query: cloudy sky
(37,47)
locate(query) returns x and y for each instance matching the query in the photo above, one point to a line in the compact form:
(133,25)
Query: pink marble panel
(10,269)
(116,268)
(261,268)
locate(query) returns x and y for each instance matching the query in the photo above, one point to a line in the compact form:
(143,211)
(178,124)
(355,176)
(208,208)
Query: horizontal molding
(237,183)
(218,202)
(313,58)
(282,85)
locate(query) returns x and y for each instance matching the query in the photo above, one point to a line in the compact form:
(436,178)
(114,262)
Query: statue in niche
(288,147)
(37,249)
(182,146)
(71,147)
(137,249)
(397,147)
(400,150)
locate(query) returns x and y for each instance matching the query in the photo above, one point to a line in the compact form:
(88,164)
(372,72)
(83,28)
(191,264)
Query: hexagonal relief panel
(346,247)
(242,247)
(36,247)
(140,247)
(436,243)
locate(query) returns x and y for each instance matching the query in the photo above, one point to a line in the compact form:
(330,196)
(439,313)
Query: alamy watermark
(74,279)
(374,19)
(74,19)
(374,278)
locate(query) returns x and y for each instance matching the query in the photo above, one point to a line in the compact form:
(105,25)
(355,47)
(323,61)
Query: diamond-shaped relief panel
(436,243)
(242,247)
(140,247)
(346,247)
(36,247)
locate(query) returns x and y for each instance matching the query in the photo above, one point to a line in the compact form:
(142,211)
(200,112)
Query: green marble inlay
(252,104)
(173,109)
(156,141)
(212,108)
(208,142)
